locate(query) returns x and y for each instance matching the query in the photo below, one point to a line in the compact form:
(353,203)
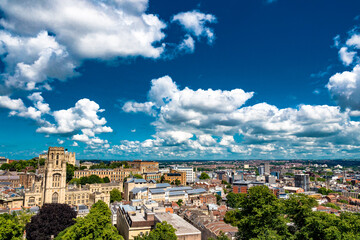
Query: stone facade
(50,186)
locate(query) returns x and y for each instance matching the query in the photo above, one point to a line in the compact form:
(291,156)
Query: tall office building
(267,168)
(261,170)
(189,173)
(303,181)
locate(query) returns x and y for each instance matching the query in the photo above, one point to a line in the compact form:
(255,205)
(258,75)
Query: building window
(56,180)
(31,200)
(55,197)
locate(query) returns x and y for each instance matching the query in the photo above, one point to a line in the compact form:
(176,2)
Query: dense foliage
(115,195)
(70,169)
(22,164)
(52,219)
(204,175)
(138,176)
(260,215)
(95,225)
(13,226)
(89,180)
(162,231)
(325,191)
(108,165)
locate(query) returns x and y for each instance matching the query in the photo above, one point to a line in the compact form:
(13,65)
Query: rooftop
(182,226)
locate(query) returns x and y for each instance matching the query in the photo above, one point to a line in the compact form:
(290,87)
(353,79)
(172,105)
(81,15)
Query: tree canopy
(52,219)
(204,176)
(162,231)
(115,195)
(260,215)
(13,226)
(95,225)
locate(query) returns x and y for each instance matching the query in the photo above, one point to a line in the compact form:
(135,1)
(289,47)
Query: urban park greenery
(95,225)
(258,214)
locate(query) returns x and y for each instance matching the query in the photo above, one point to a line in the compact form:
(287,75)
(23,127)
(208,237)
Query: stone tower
(55,176)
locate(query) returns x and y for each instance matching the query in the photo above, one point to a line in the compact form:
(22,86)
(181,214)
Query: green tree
(115,195)
(13,226)
(324,191)
(70,169)
(138,176)
(179,202)
(76,181)
(260,211)
(221,236)
(204,176)
(331,205)
(298,207)
(177,182)
(106,180)
(162,231)
(95,225)
(235,200)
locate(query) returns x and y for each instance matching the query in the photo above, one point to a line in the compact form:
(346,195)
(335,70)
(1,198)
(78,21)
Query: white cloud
(12,104)
(32,61)
(345,88)
(187,45)
(83,117)
(201,123)
(146,107)
(354,41)
(346,56)
(81,122)
(60,141)
(42,41)
(194,22)
(90,29)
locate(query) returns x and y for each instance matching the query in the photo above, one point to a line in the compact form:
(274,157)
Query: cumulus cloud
(200,123)
(79,123)
(31,62)
(346,57)
(46,40)
(345,88)
(91,29)
(195,23)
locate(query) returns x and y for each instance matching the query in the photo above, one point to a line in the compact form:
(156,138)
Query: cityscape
(199,199)
(180,120)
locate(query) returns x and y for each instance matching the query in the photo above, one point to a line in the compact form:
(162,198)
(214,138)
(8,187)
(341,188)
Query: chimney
(149,216)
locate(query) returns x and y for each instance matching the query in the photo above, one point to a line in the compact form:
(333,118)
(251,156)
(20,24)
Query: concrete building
(267,168)
(261,170)
(302,181)
(134,221)
(184,230)
(3,160)
(190,175)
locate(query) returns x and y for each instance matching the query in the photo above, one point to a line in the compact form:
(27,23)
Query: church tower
(55,176)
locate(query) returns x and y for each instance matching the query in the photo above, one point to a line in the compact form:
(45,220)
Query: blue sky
(138,79)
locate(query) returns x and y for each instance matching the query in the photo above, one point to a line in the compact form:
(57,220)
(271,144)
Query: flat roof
(182,226)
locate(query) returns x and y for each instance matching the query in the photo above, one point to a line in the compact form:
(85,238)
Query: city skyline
(139,79)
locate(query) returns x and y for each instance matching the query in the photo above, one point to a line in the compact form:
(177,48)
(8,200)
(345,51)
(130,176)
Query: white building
(190,175)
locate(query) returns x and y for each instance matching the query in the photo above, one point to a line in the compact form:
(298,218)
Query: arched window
(55,197)
(57,156)
(56,180)
(52,156)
